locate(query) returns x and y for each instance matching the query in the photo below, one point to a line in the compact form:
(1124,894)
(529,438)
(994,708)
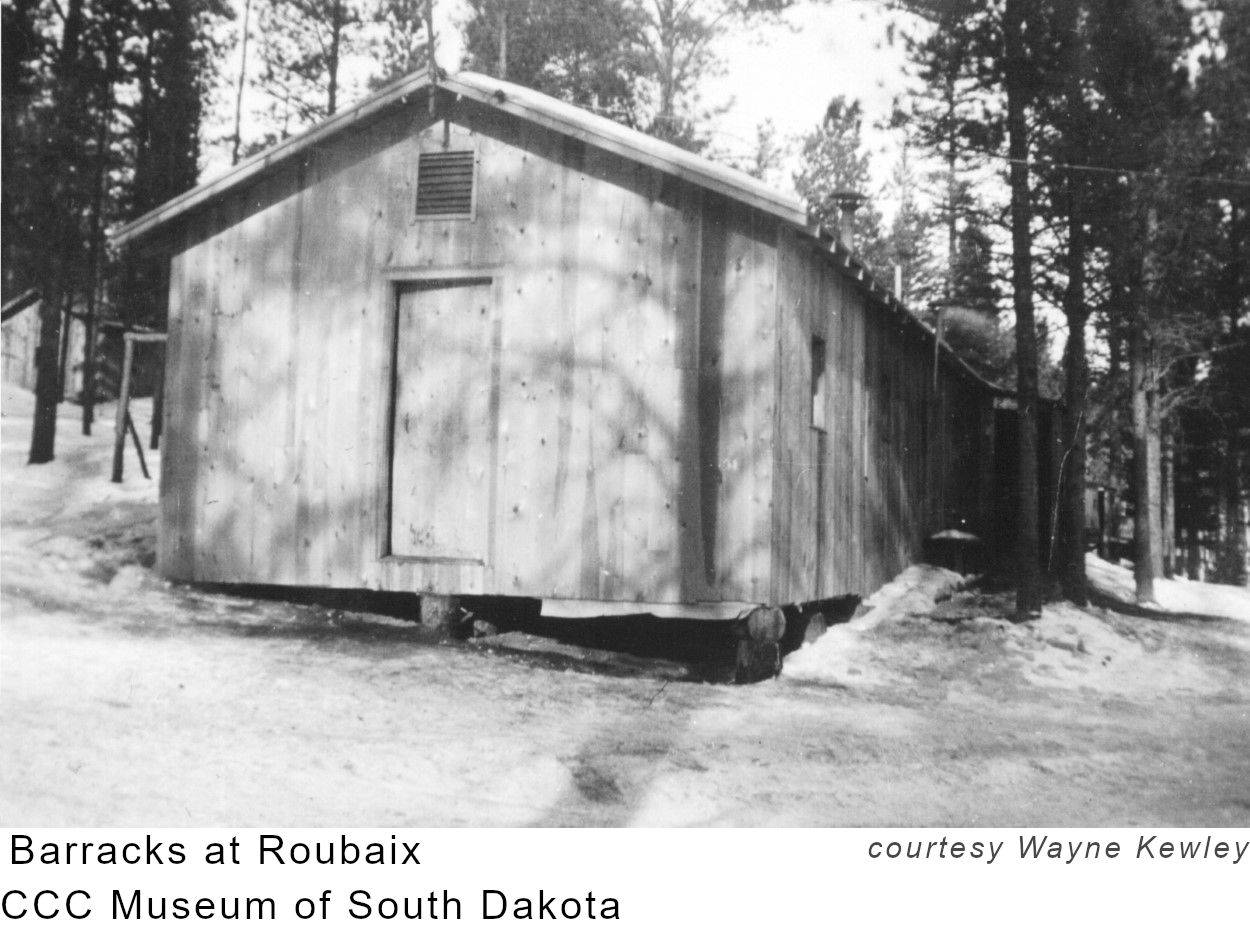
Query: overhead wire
(1108,169)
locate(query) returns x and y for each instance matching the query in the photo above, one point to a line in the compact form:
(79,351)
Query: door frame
(393,279)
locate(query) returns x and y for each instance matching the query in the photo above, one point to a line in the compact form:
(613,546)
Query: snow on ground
(841,653)
(85,528)
(78,458)
(1177,595)
(126,700)
(1091,650)
(1067,647)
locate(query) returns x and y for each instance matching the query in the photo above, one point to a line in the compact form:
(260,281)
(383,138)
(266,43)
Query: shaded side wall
(895,462)
(635,373)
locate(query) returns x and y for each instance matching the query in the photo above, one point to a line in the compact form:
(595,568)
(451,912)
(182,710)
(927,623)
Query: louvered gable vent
(445,184)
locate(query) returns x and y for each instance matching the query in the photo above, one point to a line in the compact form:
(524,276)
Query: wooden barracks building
(495,345)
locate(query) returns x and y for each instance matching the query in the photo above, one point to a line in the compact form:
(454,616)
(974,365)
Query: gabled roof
(566,119)
(520,101)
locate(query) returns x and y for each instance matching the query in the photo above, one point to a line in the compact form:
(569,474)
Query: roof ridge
(560,117)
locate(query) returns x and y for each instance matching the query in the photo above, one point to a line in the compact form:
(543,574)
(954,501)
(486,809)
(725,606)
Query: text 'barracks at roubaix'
(269,849)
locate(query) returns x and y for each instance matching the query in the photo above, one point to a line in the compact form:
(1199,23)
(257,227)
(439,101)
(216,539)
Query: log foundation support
(759,635)
(439,613)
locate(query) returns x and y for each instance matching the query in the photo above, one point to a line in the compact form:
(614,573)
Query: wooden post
(158,406)
(134,435)
(123,408)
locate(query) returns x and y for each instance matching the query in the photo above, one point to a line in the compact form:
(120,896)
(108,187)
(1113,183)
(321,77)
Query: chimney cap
(848,199)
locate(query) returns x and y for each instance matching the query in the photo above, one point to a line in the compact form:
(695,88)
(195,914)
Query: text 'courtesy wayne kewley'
(1045,848)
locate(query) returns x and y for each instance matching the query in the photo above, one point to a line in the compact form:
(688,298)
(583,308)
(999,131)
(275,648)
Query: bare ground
(125,701)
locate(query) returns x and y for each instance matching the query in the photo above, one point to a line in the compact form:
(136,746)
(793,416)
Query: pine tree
(1069,138)
(1003,53)
(586,52)
(948,117)
(975,283)
(303,44)
(678,54)
(1222,89)
(907,243)
(1139,49)
(970,323)
(769,155)
(77,153)
(834,162)
(24,49)
(404,45)
(58,195)
(172,62)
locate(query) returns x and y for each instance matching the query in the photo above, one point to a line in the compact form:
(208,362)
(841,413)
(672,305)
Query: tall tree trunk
(62,354)
(56,285)
(1028,566)
(952,193)
(1154,461)
(332,63)
(1147,451)
(666,28)
(1167,503)
(1117,312)
(432,58)
(238,97)
(47,374)
(1146,466)
(1187,508)
(71,38)
(1232,543)
(503,40)
(1076,383)
(1072,513)
(98,193)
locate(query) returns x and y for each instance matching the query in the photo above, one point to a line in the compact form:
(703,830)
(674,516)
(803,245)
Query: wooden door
(444,420)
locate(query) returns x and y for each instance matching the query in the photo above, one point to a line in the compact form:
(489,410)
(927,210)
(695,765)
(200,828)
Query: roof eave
(489,93)
(262,161)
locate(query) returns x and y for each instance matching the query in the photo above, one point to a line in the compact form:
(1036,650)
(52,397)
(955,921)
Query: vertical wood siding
(616,323)
(895,463)
(647,365)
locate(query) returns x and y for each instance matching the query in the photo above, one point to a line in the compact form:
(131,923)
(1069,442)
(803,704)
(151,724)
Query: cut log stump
(439,613)
(759,644)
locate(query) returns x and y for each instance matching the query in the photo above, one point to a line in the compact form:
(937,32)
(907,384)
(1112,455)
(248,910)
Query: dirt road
(126,701)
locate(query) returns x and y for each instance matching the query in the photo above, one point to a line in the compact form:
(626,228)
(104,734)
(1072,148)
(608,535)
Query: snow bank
(1183,596)
(77,481)
(840,655)
(1094,650)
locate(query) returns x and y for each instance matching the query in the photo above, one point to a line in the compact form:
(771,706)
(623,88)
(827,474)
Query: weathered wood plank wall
(644,361)
(895,462)
(627,303)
